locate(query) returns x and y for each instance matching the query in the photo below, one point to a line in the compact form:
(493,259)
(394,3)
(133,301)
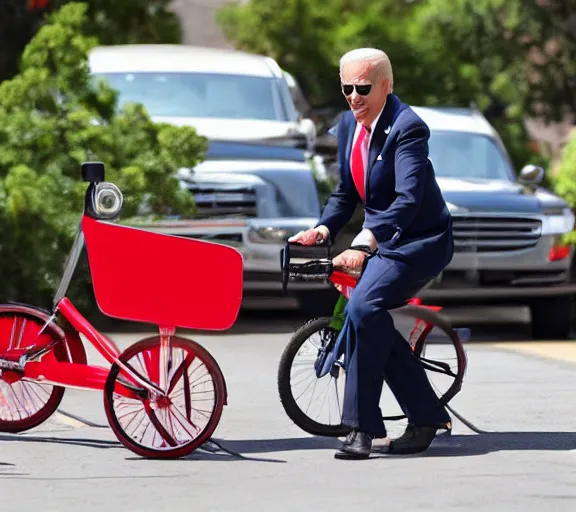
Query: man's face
(365,107)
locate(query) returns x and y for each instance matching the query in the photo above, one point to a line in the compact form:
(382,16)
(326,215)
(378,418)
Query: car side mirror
(531,175)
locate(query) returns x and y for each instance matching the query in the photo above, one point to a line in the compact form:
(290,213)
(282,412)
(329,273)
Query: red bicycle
(164,395)
(299,368)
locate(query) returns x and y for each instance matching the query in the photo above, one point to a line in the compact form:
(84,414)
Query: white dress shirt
(365,237)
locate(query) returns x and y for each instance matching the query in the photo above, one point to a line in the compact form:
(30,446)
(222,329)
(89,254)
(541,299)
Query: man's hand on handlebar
(310,236)
(350,259)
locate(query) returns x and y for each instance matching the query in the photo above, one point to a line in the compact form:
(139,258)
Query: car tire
(551,318)
(317,303)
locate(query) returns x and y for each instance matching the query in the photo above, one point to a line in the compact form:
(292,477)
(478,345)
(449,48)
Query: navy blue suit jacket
(404,206)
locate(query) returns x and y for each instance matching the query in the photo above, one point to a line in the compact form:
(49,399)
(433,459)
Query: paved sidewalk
(526,461)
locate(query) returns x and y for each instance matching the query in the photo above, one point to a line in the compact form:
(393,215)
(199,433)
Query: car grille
(495,234)
(224,200)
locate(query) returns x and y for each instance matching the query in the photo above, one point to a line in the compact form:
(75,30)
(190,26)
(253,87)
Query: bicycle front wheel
(318,414)
(177,424)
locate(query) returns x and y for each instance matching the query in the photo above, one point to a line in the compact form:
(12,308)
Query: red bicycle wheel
(172,426)
(25,404)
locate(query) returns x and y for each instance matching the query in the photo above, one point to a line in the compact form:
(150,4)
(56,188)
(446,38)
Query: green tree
(444,52)
(487,51)
(112,21)
(53,118)
(526,49)
(307,38)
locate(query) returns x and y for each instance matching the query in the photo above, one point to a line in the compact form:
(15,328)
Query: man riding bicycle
(406,242)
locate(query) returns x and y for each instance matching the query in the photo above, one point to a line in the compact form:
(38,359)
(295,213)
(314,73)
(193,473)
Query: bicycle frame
(344,282)
(314,263)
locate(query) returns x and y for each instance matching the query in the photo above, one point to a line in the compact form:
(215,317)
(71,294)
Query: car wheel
(317,303)
(551,318)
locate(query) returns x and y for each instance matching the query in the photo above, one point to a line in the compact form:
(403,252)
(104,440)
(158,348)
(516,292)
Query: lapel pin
(387,130)
(379,157)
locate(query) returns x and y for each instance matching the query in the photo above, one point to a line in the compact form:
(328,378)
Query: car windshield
(468,155)
(200,94)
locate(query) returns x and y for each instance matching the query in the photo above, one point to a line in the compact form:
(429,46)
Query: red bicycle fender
(73,341)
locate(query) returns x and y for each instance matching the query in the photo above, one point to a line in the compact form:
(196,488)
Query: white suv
(224,94)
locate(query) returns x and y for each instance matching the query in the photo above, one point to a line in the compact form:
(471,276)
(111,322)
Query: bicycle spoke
(337,398)
(187,404)
(182,369)
(325,397)
(159,427)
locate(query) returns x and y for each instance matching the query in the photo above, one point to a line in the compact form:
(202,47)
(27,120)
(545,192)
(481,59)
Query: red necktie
(357,162)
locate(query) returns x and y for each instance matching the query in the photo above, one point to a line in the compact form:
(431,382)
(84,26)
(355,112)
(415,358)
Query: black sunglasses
(362,90)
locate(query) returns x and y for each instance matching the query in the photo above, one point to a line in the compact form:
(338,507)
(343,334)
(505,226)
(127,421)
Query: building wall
(199,25)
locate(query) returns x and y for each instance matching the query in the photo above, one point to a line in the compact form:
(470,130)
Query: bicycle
(314,263)
(163,395)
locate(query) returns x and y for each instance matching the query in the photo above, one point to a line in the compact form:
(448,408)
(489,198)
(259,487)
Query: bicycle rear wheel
(315,405)
(26,403)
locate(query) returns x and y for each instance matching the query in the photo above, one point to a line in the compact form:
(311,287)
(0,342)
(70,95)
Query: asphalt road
(520,394)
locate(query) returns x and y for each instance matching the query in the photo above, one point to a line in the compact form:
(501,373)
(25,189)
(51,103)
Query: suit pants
(376,351)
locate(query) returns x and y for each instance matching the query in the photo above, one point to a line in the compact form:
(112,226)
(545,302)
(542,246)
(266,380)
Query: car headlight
(558,221)
(269,235)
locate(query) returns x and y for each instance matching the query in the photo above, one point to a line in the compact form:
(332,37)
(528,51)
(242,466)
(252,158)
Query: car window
(468,155)
(200,94)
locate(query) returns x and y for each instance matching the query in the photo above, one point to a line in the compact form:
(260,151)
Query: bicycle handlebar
(317,264)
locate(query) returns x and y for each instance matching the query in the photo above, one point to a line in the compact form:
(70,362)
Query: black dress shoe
(414,440)
(356,446)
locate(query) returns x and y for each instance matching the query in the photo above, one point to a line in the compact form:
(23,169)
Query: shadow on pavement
(445,446)
(280,445)
(481,444)
(91,443)
(199,454)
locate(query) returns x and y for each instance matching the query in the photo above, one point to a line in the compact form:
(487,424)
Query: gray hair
(380,62)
